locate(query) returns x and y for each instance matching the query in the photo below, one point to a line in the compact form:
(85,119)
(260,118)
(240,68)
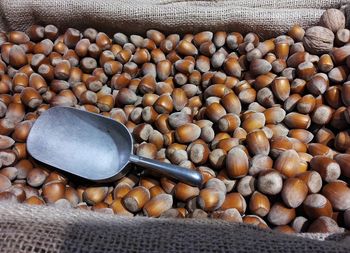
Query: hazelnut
(184,192)
(210,199)
(230,214)
(338,193)
(215,111)
(53,191)
(287,163)
(326,167)
(270,182)
(6,142)
(259,163)
(259,204)
(234,200)
(158,205)
(135,199)
(280,214)
(316,205)
(300,224)
(188,132)
(34,200)
(36,177)
(119,209)
(246,186)
(324,224)
(156,190)
(5,183)
(216,184)
(237,163)
(294,192)
(255,220)
(258,143)
(93,195)
(344,162)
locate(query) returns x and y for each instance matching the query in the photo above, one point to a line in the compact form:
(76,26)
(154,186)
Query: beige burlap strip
(48,229)
(267,18)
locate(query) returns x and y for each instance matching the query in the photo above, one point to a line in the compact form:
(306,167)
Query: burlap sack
(48,229)
(265,17)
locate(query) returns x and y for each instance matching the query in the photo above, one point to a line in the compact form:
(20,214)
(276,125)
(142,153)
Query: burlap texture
(47,229)
(267,18)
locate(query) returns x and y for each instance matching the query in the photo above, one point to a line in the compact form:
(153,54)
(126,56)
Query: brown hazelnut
(255,220)
(287,163)
(237,163)
(215,111)
(6,142)
(210,199)
(231,215)
(93,195)
(229,122)
(316,205)
(36,177)
(294,192)
(5,183)
(34,200)
(324,224)
(186,48)
(119,209)
(156,190)
(259,163)
(158,205)
(199,153)
(135,199)
(280,214)
(326,167)
(53,191)
(188,132)
(246,185)
(270,182)
(72,196)
(258,143)
(234,200)
(338,193)
(259,204)
(344,162)
(31,97)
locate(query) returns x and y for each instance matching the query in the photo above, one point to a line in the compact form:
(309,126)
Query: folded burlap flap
(267,18)
(47,229)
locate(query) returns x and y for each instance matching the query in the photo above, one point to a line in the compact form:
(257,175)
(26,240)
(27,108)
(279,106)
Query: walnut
(333,19)
(318,40)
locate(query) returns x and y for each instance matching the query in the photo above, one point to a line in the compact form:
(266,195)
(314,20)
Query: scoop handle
(169,170)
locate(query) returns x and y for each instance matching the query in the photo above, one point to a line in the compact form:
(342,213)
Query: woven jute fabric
(267,18)
(48,229)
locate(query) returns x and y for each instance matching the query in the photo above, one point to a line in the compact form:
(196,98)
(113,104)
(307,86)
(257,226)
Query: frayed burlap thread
(267,18)
(46,229)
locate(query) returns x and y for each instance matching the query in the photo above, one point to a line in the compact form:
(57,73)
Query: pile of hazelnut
(266,122)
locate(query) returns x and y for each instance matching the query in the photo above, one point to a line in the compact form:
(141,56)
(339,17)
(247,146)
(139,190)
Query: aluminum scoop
(93,147)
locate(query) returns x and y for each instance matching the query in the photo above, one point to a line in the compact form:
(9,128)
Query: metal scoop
(93,147)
